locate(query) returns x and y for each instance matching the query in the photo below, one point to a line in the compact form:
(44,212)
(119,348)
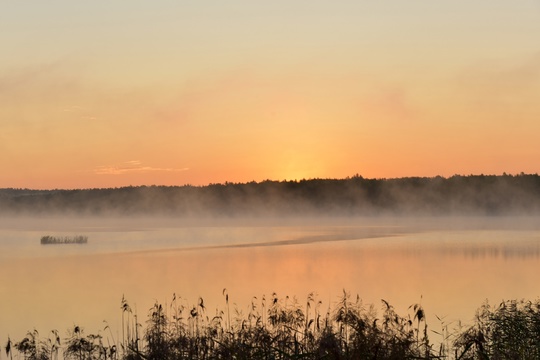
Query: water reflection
(450,272)
(473,244)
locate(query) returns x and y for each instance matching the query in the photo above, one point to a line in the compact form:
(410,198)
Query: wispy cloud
(80,111)
(133,166)
(23,78)
(73,108)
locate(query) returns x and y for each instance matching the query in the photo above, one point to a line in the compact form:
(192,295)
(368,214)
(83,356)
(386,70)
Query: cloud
(391,103)
(73,108)
(133,166)
(56,81)
(21,79)
(499,81)
(80,112)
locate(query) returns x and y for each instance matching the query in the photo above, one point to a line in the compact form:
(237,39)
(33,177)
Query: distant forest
(354,196)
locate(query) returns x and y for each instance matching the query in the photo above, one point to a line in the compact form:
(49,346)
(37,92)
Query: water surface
(450,270)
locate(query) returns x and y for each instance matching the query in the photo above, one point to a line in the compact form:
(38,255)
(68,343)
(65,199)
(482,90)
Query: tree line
(352,196)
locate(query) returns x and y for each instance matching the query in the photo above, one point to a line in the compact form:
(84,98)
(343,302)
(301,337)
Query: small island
(77,239)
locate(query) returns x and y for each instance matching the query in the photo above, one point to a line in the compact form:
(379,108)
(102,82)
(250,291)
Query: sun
(296,175)
(299,166)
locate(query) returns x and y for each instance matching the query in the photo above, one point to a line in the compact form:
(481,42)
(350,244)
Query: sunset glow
(105,95)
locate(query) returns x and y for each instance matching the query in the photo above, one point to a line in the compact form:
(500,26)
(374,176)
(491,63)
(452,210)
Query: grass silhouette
(287,329)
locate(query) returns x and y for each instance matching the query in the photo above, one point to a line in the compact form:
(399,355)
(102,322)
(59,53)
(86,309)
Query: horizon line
(226,183)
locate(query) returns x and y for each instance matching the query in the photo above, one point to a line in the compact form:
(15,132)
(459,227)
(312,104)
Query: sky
(118,93)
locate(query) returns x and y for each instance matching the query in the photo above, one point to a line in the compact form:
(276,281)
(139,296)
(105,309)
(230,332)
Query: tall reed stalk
(286,329)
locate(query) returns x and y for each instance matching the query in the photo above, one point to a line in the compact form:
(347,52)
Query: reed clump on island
(51,240)
(283,328)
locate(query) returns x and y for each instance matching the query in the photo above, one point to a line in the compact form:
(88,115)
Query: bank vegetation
(284,328)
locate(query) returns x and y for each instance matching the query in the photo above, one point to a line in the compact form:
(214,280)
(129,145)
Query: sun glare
(299,169)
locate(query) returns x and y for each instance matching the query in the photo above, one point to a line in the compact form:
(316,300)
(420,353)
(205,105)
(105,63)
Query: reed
(53,240)
(285,329)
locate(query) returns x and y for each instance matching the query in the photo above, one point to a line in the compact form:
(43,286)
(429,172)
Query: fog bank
(458,195)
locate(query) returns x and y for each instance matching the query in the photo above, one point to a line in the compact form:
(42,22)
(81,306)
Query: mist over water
(474,195)
(450,265)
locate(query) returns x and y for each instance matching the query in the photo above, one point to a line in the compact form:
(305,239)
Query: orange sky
(173,93)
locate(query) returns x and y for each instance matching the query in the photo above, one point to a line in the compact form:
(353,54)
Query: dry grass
(287,329)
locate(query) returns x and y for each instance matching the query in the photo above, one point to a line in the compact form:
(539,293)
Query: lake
(449,265)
